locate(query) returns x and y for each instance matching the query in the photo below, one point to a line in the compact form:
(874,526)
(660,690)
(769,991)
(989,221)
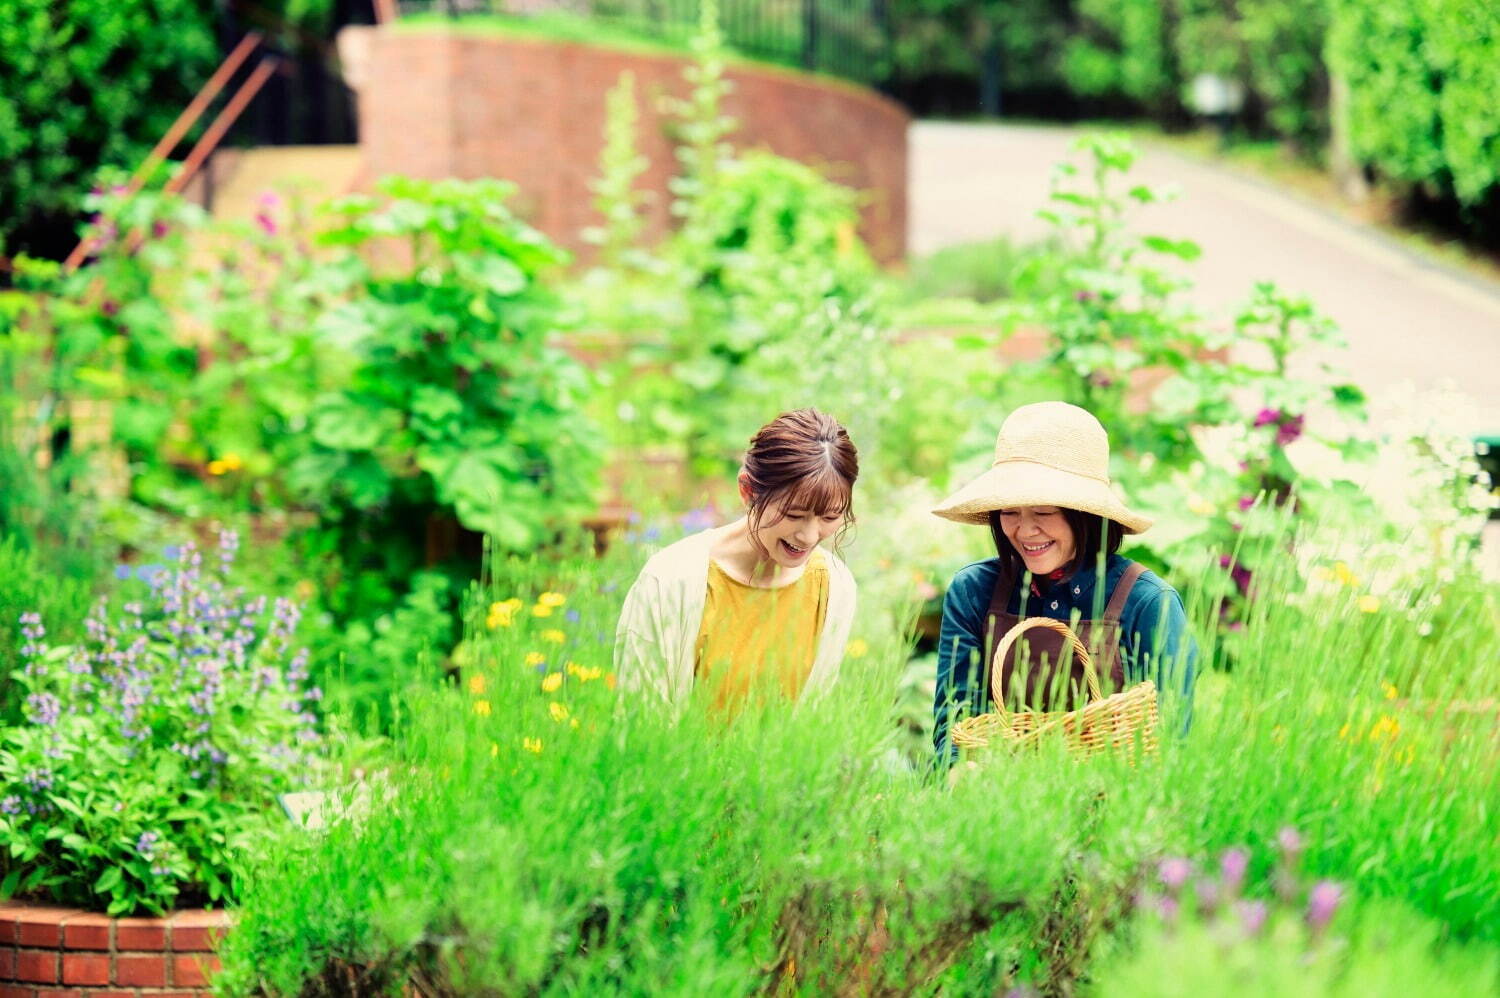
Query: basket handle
(1090,677)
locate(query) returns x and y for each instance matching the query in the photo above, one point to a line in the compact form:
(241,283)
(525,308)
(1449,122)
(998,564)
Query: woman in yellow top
(756,604)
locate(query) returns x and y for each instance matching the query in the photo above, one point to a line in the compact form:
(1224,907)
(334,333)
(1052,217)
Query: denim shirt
(1154,643)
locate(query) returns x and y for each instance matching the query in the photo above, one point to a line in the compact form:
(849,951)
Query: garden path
(1411,324)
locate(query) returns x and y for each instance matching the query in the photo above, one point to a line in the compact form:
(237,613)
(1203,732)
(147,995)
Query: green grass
(795,851)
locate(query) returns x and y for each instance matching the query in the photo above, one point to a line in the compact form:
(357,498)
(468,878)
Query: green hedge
(1423,78)
(86,84)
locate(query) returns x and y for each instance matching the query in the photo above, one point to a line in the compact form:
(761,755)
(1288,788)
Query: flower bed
(44,948)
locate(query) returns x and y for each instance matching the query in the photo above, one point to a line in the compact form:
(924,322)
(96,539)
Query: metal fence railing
(847,38)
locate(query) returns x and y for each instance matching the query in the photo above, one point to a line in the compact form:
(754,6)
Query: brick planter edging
(51,952)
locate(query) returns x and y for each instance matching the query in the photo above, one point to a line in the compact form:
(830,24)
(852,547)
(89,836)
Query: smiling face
(1041,535)
(790,532)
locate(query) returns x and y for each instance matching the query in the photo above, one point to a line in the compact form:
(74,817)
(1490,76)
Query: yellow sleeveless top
(753,638)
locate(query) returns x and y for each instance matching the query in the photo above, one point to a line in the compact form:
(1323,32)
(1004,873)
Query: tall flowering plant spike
(152,750)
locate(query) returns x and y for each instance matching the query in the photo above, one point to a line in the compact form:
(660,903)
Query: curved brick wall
(47,951)
(434,103)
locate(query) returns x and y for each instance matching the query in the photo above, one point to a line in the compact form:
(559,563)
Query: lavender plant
(145,772)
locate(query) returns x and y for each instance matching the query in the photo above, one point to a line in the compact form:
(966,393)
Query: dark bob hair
(1091,533)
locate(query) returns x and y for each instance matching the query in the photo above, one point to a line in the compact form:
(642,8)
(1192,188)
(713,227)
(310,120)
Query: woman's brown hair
(801,460)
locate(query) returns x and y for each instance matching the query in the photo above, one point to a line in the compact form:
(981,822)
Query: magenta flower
(1174,872)
(1289,840)
(1266,417)
(1246,502)
(1322,902)
(266,223)
(1252,916)
(1232,867)
(1289,431)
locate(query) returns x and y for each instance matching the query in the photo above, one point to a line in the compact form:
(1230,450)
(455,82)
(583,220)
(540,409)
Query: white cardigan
(655,642)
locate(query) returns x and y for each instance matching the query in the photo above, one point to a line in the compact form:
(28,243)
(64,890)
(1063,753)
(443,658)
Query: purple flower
(10,805)
(44,709)
(122,571)
(1267,417)
(1322,902)
(1246,502)
(1174,872)
(110,308)
(1252,916)
(609,587)
(160,228)
(1232,867)
(1082,296)
(146,844)
(1289,431)
(172,552)
(38,780)
(572,616)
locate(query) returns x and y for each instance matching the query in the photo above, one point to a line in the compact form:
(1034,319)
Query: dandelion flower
(609,680)
(1389,689)
(551,682)
(535,658)
(1342,573)
(590,674)
(476,684)
(541,610)
(555,636)
(503,614)
(494,749)
(1369,604)
(574,723)
(558,711)
(482,708)
(572,668)
(857,648)
(532,745)
(551,599)
(1386,727)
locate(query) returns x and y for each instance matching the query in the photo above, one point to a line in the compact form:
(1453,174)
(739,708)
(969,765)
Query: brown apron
(1037,686)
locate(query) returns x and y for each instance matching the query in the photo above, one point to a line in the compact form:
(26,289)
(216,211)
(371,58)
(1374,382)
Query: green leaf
(1183,249)
(347,425)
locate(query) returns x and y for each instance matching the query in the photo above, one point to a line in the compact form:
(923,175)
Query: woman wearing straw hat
(1057,526)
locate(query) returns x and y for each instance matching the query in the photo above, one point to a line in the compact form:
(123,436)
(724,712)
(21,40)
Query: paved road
(1411,325)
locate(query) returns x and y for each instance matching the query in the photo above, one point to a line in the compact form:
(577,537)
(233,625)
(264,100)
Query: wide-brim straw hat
(1047,454)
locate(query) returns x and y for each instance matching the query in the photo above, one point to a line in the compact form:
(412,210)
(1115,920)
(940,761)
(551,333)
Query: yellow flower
(482,708)
(1389,689)
(574,723)
(476,684)
(1344,575)
(572,668)
(1386,727)
(857,648)
(503,613)
(551,682)
(589,674)
(558,711)
(554,636)
(494,749)
(609,680)
(535,658)
(551,599)
(217,468)
(532,745)
(1369,604)
(541,610)
(1344,733)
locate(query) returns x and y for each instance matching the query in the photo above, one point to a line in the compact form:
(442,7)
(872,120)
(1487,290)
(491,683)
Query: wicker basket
(1114,722)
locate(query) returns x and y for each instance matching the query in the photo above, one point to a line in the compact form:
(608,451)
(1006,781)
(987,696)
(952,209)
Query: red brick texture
(437,104)
(49,952)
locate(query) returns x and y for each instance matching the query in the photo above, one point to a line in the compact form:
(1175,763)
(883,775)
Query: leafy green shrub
(144,775)
(1421,80)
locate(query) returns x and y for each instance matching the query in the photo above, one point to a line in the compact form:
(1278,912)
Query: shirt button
(1076,590)
(1054,604)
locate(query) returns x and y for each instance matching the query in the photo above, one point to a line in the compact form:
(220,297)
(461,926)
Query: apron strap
(1122,591)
